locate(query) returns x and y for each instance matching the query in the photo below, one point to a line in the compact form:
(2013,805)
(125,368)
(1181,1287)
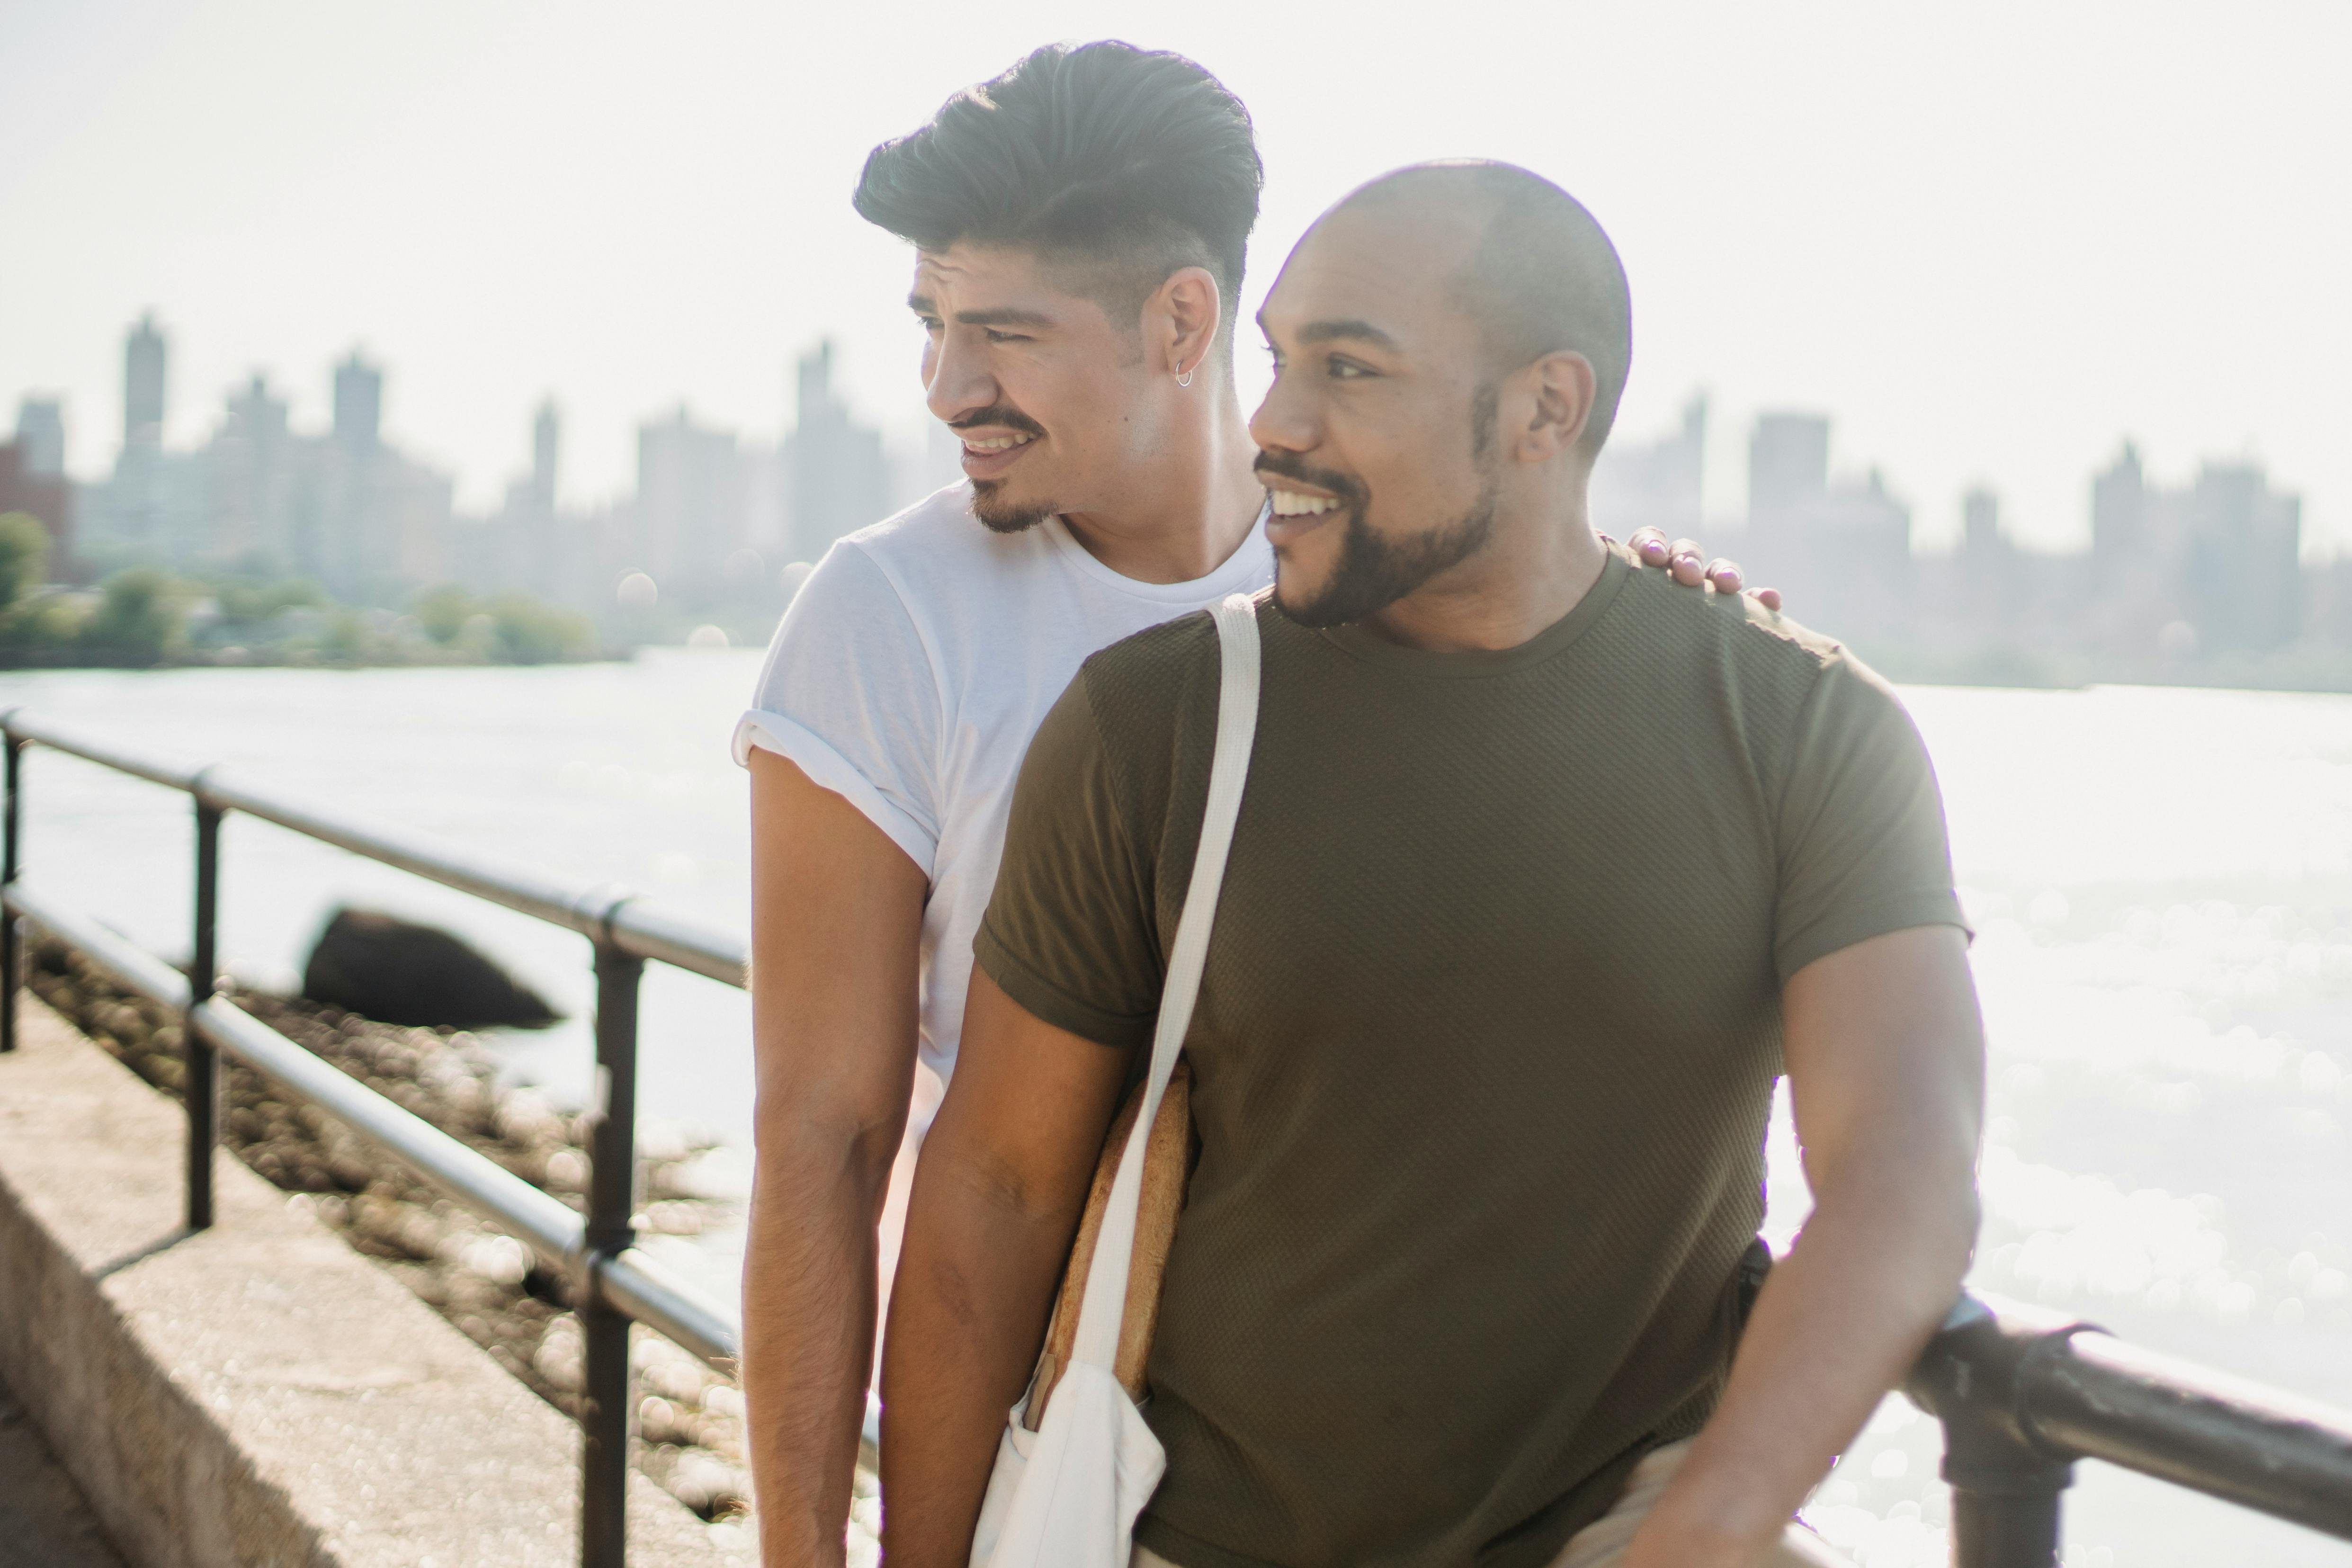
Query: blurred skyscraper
(839,478)
(2211,567)
(690,512)
(343,507)
(1840,548)
(41,436)
(144,366)
(358,405)
(546,434)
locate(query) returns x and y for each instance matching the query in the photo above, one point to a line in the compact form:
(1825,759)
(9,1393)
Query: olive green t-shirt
(1485,1045)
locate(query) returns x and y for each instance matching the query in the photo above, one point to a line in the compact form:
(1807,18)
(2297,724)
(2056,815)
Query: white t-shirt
(911,672)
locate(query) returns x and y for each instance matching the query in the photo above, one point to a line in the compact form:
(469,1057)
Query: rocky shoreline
(690,1418)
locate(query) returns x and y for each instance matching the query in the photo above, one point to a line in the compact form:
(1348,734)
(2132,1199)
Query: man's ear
(1181,320)
(1562,385)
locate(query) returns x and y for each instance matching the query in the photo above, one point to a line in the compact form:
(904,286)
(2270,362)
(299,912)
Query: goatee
(1373,572)
(999,515)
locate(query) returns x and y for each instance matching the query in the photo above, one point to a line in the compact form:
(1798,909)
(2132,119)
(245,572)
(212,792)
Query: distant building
(1657,485)
(358,405)
(41,436)
(546,438)
(1841,550)
(1788,463)
(2211,567)
(839,479)
(32,479)
(259,487)
(343,507)
(526,544)
(690,512)
(144,354)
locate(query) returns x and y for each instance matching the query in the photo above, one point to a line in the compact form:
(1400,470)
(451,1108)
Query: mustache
(999,413)
(1283,465)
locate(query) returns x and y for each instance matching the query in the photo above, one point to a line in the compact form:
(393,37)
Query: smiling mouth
(999,443)
(1298,503)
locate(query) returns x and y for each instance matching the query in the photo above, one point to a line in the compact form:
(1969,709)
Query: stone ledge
(257,1395)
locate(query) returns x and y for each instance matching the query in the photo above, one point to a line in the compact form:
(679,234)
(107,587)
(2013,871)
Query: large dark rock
(394,972)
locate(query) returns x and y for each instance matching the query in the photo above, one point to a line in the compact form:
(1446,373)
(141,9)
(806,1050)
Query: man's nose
(960,383)
(1285,421)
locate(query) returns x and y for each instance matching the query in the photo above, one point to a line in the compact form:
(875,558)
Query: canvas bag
(1068,1494)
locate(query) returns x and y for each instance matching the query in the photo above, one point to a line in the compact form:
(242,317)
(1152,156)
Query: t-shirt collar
(1374,648)
(1243,569)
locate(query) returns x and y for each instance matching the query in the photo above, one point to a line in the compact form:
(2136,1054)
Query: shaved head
(1538,274)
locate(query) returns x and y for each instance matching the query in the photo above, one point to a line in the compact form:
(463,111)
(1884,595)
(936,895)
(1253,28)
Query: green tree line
(143,616)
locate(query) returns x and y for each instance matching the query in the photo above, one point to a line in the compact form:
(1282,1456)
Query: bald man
(1459,1279)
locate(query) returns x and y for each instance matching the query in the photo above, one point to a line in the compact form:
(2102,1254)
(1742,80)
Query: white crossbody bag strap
(1237,693)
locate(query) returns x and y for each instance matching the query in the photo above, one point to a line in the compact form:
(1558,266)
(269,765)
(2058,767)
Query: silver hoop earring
(1185,379)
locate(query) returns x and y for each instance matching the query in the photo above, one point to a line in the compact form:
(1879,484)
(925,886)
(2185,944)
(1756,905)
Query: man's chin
(1002,513)
(1322,607)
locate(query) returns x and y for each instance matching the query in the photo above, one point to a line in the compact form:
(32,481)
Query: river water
(2162,882)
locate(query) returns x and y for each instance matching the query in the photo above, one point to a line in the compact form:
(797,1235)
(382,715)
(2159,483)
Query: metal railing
(2022,1394)
(613,1280)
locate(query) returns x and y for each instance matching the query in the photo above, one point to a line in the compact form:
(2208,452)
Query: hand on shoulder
(1682,561)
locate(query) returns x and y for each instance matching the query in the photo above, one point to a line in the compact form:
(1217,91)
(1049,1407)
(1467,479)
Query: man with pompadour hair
(1080,226)
(1467,1268)
(1153,167)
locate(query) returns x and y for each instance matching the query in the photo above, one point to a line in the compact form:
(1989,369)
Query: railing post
(604,1418)
(12,961)
(200,1062)
(2006,1487)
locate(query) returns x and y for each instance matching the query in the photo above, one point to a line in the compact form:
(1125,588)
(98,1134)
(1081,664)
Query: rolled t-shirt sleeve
(1863,849)
(850,693)
(1069,932)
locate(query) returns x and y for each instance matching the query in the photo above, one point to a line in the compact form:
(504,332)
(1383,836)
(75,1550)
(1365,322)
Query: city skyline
(2174,576)
(905,463)
(1994,241)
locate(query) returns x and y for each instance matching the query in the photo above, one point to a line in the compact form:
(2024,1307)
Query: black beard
(1003,517)
(1374,573)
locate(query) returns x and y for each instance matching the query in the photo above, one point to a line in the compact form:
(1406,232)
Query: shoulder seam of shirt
(931,655)
(1822,665)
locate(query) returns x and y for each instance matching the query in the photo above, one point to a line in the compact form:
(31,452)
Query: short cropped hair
(1119,164)
(1542,277)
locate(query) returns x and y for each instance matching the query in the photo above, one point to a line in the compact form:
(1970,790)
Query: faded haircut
(1116,166)
(1542,277)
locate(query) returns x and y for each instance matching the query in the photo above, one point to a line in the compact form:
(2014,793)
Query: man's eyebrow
(1339,328)
(1003,316)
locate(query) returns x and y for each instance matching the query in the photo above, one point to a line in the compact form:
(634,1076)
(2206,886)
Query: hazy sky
(1990,239)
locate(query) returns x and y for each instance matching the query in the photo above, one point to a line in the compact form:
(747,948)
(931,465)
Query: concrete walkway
(258,1393)
(44,1522)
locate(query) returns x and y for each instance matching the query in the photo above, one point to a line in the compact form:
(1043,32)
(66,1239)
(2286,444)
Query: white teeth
(999,443)
(1290,503)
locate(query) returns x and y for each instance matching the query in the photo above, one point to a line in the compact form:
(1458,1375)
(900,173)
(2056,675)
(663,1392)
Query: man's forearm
(976,1280)
(1840,1321)
(809,1290)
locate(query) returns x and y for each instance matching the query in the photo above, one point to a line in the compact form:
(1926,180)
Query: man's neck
(1536,570)
(1191,509)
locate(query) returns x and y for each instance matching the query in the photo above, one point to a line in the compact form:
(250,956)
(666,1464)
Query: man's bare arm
(836,912)
(1885,1057)
(1004,1174)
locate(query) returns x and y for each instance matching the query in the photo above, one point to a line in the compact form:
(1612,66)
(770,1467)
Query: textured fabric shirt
(1486,1047)
(909,673)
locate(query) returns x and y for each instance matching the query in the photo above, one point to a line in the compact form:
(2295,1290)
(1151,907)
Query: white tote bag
(1066,1495)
